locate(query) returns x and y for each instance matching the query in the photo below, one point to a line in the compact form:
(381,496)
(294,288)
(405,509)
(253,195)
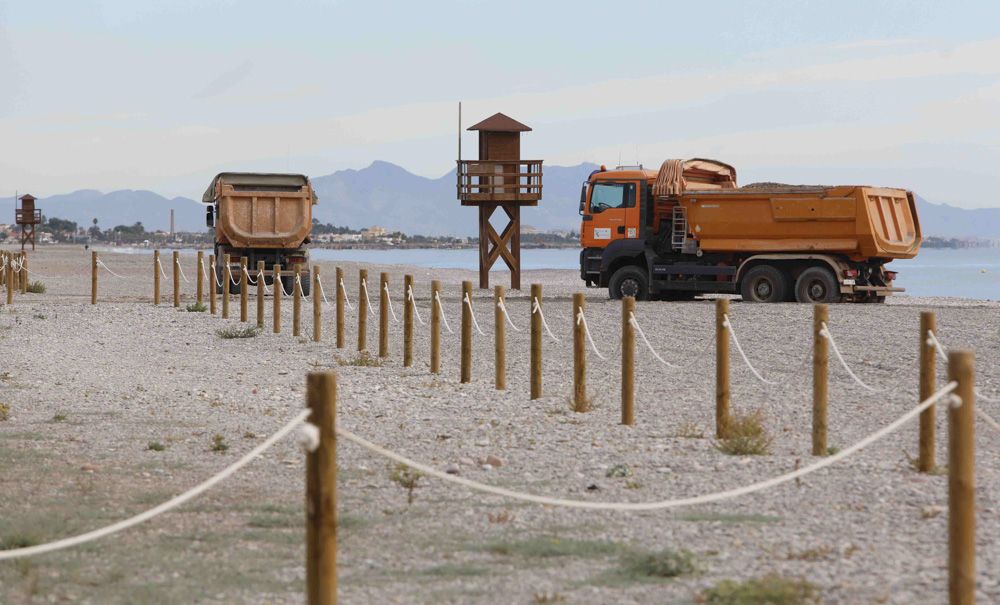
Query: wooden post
(156,277)
(466,368)
(962,482)
(212,289)
(297,301)
(10,282)
(175,257)
(317,309)
(383,315)
(24,273)
(928,384)
(579,357)
(244,290)
(362,310)
(536,341)
(408,305)
(321,491)
(721,369)
(341,297)
(277,299)
(200,278)
(821,386)
(93,278)
(499,341)
(227,278)
(435,327)
(628,361)
(261,293)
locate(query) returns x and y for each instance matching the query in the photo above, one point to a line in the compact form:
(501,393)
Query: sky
(133,94)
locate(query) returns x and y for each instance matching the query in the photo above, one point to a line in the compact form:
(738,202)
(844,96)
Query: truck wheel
(817,285)
(764,283)
(306,283)
(629,281)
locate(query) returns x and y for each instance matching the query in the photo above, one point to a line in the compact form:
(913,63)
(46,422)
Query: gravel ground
(94,391)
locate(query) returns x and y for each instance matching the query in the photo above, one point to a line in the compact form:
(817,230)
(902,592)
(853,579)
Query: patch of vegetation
(219,444)
(196,308)
(40,316)
(586,405)
(363,360)
(155,446)
(4,412)
(543,598)
(689,430)
(59,418)
(619,471)
(239,332)
(36,287)
(818,553)
(16,541)
(660,565)
(747,436)
(407,478)
(547,547)
(769,590)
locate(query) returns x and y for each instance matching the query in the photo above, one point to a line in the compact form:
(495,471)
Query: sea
(963,273)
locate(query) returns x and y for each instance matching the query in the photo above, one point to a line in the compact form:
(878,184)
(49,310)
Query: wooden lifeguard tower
(499,179)
(27,216)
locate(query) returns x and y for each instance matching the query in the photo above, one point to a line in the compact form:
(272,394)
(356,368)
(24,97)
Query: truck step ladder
(679,228)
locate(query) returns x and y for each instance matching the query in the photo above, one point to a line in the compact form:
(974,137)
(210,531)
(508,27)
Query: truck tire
(629,281)
(306,283)
(817,285)
(764,283)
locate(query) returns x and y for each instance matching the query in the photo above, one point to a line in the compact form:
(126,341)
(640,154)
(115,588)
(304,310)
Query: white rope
(101,263)
(162,508)
(437,299)
(322,292)
(181,270)
(662,504)
(825,333)
(298,285)
(537,308)
(468,301)
(40,276)
(388,297)
(503,308)
(261,278)
(281,284)
(580,318)
(932,340)
(347,299)
(413,303)
(215,277)
(364,286)
(233,279)
(988,419)
(729,326)
(246,275)
(202,269)
(163,273)
(635,324)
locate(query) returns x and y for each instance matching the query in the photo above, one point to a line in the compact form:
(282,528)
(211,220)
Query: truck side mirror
(210,216)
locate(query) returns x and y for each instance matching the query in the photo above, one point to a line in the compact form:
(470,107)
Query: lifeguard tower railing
(499,181)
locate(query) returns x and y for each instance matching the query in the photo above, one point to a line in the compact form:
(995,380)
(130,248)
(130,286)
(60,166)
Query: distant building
(373,232)
(529,230)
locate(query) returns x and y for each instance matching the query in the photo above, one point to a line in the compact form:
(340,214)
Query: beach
(92,388)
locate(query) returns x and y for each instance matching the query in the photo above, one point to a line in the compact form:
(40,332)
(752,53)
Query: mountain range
(387,195)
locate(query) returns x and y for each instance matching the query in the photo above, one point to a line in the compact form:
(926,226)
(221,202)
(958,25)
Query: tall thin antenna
(459,131)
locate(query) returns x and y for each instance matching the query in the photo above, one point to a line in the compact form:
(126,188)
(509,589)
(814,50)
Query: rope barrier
(298,285)
(101,263)
(413,303)
(261,276)
(233,279)
(444,318)
(537,308)
(388,297)
(825,333)
(503,308)
(202,268)
(364,285)
(162,508)
(635,324)
(988,419)
(468,301)
(281,284)
(662,504)
(580,318)
(181,270)
(322,292)
(163,273)
(246,274)
(347,299)
(932,340)
(215,277)
(729,326)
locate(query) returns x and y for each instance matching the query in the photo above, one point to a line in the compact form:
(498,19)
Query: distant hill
(387,195)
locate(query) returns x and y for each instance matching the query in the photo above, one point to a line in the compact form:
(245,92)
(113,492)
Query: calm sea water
(965,273)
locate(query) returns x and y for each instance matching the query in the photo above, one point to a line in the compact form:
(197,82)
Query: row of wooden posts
(14,280)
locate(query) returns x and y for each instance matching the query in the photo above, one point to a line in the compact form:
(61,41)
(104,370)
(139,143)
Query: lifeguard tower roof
(499,122)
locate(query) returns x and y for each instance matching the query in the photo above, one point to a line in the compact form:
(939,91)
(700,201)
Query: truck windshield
(612,195)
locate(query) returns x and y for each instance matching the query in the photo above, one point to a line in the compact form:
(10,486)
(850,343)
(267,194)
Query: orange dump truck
(263,217)
(688,229)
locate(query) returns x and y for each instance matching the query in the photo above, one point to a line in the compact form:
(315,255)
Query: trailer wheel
(817,285)
(764,283)
(629,281)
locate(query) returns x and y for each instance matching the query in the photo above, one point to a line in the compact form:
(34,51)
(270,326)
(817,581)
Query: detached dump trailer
(264,217)
(688,229)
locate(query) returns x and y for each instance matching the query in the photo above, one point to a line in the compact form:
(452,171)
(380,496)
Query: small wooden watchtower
(27,216)
(500,179)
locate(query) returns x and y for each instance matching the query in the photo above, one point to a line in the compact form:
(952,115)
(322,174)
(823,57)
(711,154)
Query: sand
(95,391)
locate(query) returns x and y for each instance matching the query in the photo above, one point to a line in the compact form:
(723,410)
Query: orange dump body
(271,211)
(856,221)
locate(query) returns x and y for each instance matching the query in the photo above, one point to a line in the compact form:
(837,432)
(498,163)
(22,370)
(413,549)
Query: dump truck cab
(261,217)
(688,229)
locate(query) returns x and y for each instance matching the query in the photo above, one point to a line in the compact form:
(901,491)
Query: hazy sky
(121,94)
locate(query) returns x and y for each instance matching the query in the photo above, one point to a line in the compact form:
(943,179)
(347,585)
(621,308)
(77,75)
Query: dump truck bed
(262,210)
(857,221)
